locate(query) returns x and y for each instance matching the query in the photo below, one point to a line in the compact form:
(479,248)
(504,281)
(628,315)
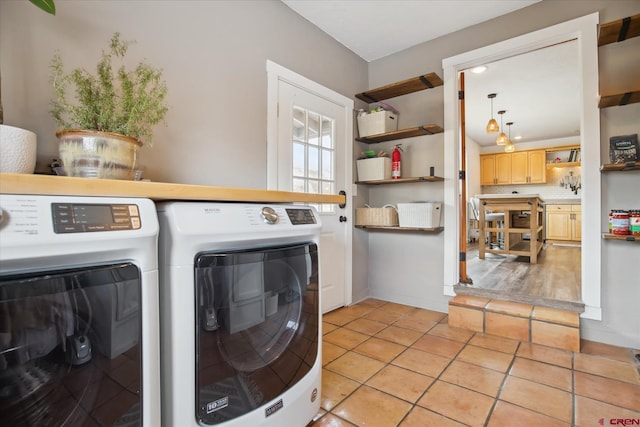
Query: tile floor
(387,364)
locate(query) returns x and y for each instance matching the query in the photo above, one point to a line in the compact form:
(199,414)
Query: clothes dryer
(78,311)
(240,314)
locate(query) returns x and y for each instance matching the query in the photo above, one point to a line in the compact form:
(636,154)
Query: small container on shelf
(420,214)
(377,123)
(374,169)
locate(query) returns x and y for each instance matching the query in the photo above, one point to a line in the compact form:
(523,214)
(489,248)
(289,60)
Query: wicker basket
(386,216)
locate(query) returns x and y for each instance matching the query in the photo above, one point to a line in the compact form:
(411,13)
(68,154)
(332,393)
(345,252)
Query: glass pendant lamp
(509,146)
(502,138)
(492,126)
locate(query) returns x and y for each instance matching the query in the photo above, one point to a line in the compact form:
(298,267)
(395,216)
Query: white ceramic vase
(17,150)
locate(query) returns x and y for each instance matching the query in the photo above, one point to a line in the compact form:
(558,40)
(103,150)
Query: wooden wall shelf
(619,99)
(403,180)
(627,238)
(414,229)
(400,134)
(563,165)
(619,30)
(415,84)
(619,167)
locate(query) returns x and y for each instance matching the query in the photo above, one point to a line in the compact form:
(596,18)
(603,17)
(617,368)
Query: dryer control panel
(85,217)
(301,216)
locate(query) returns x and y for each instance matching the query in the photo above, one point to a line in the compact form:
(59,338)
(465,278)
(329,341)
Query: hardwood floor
(554,281)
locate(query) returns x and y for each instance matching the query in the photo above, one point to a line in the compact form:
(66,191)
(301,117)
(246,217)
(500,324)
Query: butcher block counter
(11,183)
(522,216)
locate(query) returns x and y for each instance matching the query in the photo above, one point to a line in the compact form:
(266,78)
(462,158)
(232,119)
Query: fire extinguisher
(395,162)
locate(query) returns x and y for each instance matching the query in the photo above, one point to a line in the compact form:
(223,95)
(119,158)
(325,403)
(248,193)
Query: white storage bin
(378,122)
(374,169)
(422,215)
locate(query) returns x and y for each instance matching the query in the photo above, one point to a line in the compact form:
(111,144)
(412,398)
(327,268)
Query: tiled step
(541,325)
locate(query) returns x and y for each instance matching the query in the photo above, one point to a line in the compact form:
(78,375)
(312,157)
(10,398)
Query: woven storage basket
(386,216)
(422,215)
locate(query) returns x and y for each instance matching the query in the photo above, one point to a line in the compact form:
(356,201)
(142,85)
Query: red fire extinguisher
(395,162)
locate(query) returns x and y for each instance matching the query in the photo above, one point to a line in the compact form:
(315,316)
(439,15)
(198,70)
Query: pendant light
(502,138)
(492,126)
(509,147)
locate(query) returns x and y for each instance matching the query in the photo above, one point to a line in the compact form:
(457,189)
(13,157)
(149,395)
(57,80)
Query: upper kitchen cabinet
(495,169)
(528,167)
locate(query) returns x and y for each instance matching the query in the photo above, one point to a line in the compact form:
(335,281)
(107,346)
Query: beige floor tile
(594,348)
(399,382)
(399,335)
(420,325)
(538,397)
(492,342)
(491,359)
(345,338)
(437,345)
(381,350)
(331,352)
(542,353)
(424,314)
(463,405)
(589,412)
(384,316)
(422,362)
(355,366)
(338,317)
(372,302)
(335,388)
(397,308)
(366,326)
(609,368)
(358,310)
(370,407)
(466,318)
(476,378)
(559,336)
(502,325)
(328,327)
(507,415)
(542,373)
(421,417)
(330,420)
(445,331)
(615,392)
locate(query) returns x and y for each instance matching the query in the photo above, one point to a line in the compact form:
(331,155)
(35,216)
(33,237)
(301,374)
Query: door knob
(343,218)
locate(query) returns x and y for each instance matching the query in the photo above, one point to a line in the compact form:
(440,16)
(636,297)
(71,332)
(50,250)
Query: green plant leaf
(46,5)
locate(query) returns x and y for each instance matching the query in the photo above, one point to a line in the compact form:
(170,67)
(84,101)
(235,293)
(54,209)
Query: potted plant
(111,117)
(18,146)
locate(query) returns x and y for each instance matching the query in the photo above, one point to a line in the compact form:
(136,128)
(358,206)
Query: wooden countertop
(11,183)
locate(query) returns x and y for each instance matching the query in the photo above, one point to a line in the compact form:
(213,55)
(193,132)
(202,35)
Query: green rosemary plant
(120,101)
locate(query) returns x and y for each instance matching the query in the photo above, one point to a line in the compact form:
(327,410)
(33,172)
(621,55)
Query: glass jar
(620,223)
(634,222)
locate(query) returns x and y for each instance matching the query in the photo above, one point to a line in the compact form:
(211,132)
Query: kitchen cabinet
(405,87)
(564,222)
(495,169)
(528,167)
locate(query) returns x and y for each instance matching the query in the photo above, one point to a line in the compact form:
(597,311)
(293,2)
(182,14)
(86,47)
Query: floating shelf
(619,167)
(619,30)
(403,180)
(627,238)
(619,99)
(400,134)
(563,165)
(415,84)
(386,228)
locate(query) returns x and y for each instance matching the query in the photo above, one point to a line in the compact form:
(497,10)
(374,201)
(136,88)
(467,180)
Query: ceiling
(539,90)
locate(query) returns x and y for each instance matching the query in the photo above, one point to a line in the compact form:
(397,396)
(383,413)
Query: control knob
(269,215)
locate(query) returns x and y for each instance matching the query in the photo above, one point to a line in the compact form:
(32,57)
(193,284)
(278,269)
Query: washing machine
(240,314)
(79,327)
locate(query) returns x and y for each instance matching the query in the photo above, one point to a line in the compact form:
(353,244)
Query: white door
(312,156)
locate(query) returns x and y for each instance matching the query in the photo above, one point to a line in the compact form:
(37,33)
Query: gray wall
(618,67)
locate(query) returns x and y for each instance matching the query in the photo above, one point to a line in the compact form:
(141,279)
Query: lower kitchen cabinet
(564,222)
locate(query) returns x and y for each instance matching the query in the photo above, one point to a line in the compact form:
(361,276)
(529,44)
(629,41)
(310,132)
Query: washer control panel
(301,216)
(82,217)
(269,215)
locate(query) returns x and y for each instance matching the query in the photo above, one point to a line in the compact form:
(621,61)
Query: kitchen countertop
(11,183)
(562,201)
